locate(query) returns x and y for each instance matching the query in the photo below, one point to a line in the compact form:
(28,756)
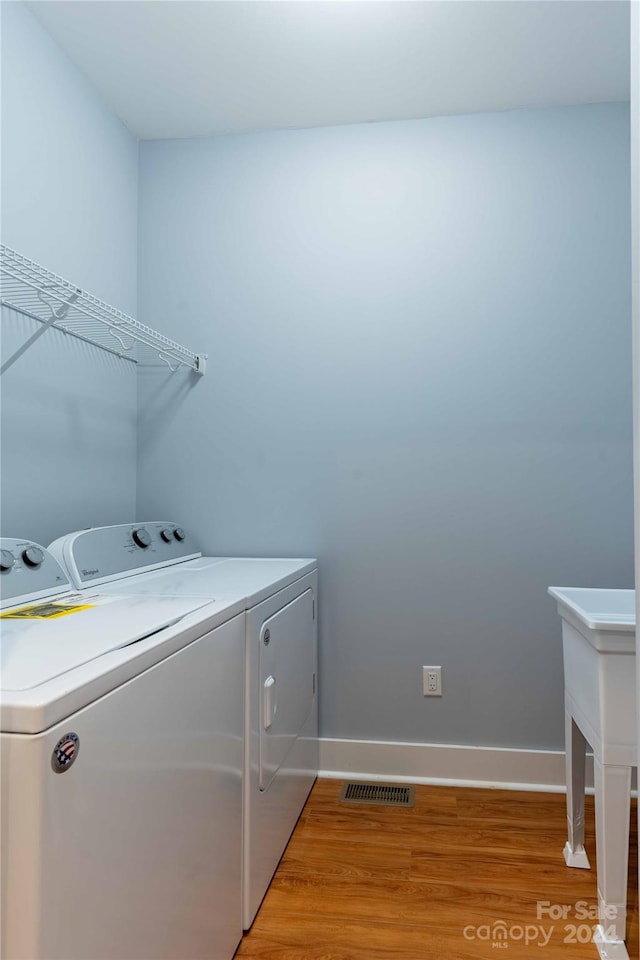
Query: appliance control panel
(26,568)
(102,554)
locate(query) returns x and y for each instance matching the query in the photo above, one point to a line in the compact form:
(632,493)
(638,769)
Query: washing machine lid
(47,639)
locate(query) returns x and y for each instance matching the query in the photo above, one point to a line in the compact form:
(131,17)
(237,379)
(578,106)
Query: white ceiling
(184,68)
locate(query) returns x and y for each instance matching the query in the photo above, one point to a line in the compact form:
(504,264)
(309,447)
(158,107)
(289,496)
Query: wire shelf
(27,287)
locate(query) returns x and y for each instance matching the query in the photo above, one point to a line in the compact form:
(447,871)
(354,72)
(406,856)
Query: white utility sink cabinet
(599,646)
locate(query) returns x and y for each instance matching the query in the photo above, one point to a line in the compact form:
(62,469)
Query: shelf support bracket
(167,360)
(121,341)
(56,315)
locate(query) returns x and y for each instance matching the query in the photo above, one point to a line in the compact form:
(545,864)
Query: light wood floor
(377,883)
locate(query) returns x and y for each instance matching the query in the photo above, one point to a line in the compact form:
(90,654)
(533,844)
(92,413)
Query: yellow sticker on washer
(44,611)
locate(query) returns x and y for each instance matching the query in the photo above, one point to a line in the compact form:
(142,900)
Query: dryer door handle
(268,701)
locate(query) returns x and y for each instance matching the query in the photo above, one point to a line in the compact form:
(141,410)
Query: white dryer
(281,702)
(122,760)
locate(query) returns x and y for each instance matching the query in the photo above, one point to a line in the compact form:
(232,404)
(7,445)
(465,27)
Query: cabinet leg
(613,785)
(575,753)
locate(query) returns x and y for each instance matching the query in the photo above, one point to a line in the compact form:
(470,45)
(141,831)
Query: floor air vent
(386,794)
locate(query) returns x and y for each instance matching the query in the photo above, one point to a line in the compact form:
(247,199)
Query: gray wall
(420,371)
(69,201)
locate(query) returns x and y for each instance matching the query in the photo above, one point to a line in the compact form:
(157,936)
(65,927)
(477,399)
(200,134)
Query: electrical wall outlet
(432,681)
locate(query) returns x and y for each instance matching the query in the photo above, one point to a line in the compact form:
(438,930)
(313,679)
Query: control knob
(33,556)
(166,535)
(7,559)
(141,537)
(179,534)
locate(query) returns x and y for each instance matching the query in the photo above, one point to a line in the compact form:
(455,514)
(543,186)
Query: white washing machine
(281,703)
(122,758)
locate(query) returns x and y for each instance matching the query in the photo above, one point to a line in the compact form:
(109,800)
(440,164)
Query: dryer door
(286,681)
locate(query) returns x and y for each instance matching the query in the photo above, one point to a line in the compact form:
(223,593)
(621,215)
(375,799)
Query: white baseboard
(446,764)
